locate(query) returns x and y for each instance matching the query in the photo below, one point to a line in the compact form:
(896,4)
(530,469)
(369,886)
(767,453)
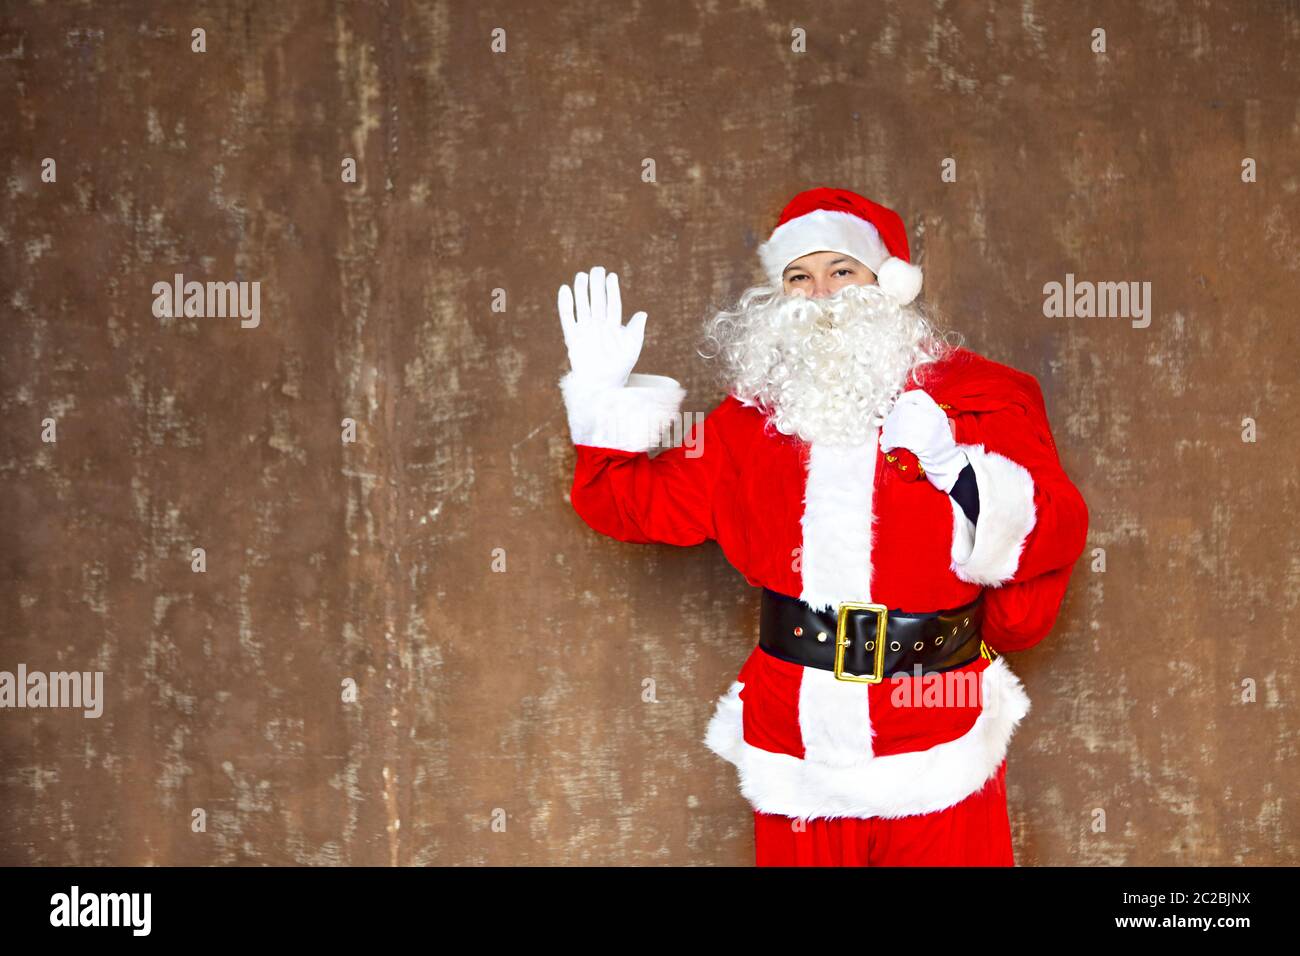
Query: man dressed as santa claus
(900,503)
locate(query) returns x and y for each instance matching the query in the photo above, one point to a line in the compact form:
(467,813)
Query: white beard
(826,370)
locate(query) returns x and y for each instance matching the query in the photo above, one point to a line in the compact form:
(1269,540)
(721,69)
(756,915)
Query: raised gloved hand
(602,350)
(917,423)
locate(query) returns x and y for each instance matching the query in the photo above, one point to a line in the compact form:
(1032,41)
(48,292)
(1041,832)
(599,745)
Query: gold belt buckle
(842,642)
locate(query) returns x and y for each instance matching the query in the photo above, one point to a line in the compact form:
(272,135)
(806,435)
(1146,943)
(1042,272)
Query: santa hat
(836,220)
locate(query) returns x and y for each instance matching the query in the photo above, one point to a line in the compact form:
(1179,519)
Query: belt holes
(894,645)
(871,645)
(798,632)
(938,640)
(918,645)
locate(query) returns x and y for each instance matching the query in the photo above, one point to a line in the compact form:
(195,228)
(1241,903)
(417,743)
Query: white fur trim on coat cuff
(631,418)
(988,552)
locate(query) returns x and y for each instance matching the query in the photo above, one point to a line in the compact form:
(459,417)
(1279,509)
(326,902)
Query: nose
(820,289)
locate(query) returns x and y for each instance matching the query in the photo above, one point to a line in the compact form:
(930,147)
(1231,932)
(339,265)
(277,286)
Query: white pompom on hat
(837,220)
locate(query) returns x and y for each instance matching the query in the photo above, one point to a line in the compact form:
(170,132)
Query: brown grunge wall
(1165,697)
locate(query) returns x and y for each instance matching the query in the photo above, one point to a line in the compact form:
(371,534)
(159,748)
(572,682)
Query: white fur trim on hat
(822,230)
(828,230)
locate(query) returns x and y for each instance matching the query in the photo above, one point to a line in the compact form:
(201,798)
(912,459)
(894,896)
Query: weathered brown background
(522,690)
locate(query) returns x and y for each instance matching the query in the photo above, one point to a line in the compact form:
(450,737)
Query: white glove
(917,423)
(602,350)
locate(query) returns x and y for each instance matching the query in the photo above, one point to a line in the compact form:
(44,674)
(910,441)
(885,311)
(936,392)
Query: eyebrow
(833,262)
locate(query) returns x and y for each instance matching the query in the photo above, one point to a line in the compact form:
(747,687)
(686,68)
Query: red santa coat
(831,524)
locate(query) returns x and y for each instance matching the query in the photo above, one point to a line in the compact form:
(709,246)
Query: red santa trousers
(973,832)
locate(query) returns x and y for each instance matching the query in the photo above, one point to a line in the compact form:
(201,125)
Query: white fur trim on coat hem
(895,785)
(988,552)
(632,418)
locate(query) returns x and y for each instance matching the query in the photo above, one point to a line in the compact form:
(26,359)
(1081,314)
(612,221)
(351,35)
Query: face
(821,274)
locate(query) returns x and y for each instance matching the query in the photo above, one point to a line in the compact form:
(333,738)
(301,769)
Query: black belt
(849,642)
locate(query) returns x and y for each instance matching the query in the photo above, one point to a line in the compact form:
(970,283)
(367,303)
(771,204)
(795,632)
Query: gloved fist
(602,350)
(917,423)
